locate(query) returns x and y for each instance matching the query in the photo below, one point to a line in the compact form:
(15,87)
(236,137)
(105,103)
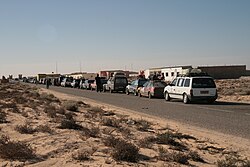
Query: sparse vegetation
(25,129)
(84,155)
(70,124)
(71,106)
(233,160)
(15,150)
(3,117)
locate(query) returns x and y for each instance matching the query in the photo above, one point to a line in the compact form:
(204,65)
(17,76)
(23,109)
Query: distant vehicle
(197,88)
(135,85)
(93,85)
(117,83)
(81,83)
(67,82)
(86,84)
(152,88)
(75,83)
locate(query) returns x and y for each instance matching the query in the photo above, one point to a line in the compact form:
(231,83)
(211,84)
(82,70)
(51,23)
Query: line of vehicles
(188,87)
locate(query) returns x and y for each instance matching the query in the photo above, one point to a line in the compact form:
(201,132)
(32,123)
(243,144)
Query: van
(197,88)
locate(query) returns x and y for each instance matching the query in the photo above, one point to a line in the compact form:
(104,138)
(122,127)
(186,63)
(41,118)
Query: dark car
(152,89)
(67,82)
(116,84)
(75,83)
(135,85)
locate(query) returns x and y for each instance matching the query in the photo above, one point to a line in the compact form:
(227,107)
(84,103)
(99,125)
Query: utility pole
(56,67)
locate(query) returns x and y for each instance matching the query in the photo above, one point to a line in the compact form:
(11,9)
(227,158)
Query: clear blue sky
(117,34)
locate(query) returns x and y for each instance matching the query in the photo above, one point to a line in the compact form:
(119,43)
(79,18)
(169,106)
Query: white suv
(189,89)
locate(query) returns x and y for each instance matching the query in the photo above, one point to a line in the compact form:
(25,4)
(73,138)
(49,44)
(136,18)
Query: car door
(172,89)
(143,89)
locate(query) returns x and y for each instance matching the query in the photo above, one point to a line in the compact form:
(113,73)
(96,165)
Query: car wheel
(139,94)
(211,101)
(167,97)
(185,99)
(127,92)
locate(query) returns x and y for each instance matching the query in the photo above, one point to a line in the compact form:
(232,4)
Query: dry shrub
(112,122)
(90,132)
(44,129)
(70,124)
(71,106)
(111,141)
(147,142)
(84,155)
(3,117)
(48,97)
(195,156)
(51,111)
(233,160)
(15,150)
(143,125)
(125,151)
(179,157)
(25,129)
(168,139)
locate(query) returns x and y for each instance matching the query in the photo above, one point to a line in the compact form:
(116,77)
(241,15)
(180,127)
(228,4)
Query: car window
(121,80)
(174,82)
(145,84)
(141,82)
(180,82)
(203,83)
(187,83)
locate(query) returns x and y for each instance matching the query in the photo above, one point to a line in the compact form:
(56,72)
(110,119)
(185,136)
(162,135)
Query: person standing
(47,83)
(98,83)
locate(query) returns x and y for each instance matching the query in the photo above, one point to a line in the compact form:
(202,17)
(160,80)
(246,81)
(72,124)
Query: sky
(65,36)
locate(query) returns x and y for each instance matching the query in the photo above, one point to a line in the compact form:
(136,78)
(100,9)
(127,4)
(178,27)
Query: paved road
(229,118)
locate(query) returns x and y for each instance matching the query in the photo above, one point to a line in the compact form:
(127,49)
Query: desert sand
(40,127)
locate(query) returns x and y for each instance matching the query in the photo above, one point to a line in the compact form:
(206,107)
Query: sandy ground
(88,141)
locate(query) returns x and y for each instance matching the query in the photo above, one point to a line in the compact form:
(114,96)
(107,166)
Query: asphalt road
(228,118)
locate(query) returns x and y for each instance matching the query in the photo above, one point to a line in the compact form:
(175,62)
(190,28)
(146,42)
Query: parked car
(117,83)
(198,88)
(67,82)
(81,83)
(75,83)
(152,88)
(93,85)
(86,84)
(135,85)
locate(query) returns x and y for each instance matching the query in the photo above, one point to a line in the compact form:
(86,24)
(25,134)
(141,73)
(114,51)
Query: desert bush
(48,97)
(25,129)
(61,111)
(71,106)
(3,117)
(126,132)
(111,141)
(143,125)
(233,160)
(90,132)
(44,129)
(15,150)
(112,122)
(125,151)
(70,124)
(84,155)
(168,139)
(50,111)
(147,142)
(195,156)
(179,157)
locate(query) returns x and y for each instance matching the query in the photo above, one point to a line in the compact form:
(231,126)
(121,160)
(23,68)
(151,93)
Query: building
(110,73)
(225,72)
(169,73)
(85,75)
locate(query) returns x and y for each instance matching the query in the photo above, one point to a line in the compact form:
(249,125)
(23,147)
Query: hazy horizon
(37,36)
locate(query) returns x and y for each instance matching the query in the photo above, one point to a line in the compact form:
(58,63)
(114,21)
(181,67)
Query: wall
(224,72)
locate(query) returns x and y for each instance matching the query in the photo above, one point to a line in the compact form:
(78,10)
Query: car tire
(211,101)
(167,97)
(139,94)
(185,99)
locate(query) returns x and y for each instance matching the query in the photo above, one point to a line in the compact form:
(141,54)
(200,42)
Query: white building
(169,73)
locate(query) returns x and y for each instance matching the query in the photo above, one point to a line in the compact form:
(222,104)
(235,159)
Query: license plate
(204,92)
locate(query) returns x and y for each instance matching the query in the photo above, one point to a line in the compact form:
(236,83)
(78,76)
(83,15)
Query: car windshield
(203,83)
(121,80)
(142,82)
(104,81)
(91,81)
